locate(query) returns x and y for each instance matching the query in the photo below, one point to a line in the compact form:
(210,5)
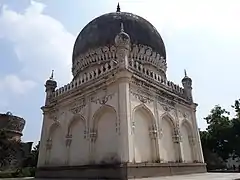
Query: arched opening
(186,132)
(57,151)
(143,144)
(78,153)
(106,145)
(167,145)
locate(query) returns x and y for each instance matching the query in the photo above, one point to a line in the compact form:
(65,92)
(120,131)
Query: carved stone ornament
(53,114)
(141,98)
(153,132)
(78,106)
(93,135)
(102,100)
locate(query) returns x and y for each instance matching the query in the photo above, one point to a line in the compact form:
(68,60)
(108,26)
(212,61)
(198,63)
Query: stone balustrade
(86,77)
(136,66)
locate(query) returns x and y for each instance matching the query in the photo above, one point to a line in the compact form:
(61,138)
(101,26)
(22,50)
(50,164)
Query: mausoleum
(119,117)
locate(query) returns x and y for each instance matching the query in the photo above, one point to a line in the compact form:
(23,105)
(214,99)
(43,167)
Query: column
(68,142)
(199,151)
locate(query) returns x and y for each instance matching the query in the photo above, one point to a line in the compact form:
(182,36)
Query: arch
(75,119)
(79,148)
(52,128)
(168,151)
(188,124)
(147,111)
(144,145)
(187,148)
(100,112)
(57,152)
(106,144)
(168,117)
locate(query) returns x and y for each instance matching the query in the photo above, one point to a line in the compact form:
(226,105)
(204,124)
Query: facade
(119,117)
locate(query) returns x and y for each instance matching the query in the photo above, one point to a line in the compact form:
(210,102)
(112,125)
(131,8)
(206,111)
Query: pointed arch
(57,153)
(188,124)
(147,111)
(104,125)
(75,119)
(168,117)
(187,135)
(100,112)
(53,128)
(168,151)
(79,147)
(144,144)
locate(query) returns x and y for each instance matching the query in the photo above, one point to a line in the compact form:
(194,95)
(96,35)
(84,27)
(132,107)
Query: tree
(8,149)
(218,133)
(235,136)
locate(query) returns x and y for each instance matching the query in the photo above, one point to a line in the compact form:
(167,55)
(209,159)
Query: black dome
(103,30)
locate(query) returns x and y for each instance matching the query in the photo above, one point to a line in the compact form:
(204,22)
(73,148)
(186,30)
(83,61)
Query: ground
(203,176)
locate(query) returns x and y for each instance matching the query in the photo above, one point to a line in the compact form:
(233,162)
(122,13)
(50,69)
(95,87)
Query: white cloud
(12,83)
(40,42)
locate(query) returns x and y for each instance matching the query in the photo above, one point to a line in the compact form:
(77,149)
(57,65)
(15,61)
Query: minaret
(123,44)
(50,85)
(187,85)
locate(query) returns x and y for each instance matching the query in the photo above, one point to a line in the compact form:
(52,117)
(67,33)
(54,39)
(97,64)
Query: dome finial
(51,77)
(185,72)
(118,8)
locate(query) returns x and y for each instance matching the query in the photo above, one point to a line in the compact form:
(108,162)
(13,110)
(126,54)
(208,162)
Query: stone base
(121,171)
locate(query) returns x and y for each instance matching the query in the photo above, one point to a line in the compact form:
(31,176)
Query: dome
(103,30)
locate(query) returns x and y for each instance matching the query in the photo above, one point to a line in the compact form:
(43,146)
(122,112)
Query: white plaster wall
(106,146)
(187,150)
(167,149)
(142,142)
(58,151)
(79,149)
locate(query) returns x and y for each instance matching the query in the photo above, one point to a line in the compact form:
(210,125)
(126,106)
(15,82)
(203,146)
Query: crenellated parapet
(141,53)
(80,81)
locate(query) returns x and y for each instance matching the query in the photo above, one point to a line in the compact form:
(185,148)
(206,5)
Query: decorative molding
(92,135)
(140,97)
(102,100)
(139,52)
(53,114)
(78,105)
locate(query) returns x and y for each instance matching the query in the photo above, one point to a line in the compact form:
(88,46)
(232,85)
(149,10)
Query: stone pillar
(43,146)
(68,142)
(92,139)
(125,119)
(48,151)
(192,142)
(154,138)
(198,145)
(122,42)
(159,132)
(177,140)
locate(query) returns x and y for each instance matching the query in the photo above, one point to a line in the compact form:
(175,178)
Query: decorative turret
(122,42)
(50,85)
(187,85)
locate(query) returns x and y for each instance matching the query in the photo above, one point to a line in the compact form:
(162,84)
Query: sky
(37,36)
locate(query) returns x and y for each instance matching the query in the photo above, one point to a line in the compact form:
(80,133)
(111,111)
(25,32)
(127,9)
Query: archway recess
(79,148)
(168,153)
(186,132)
(57,150)
(144,145)
(106,145)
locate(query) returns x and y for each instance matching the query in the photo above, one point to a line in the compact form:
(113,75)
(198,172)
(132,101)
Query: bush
(24,172)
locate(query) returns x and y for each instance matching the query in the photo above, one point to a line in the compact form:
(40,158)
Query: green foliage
(222,136)
(8,149)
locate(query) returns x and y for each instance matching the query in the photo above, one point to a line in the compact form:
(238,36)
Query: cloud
(16,85)
(40,42)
